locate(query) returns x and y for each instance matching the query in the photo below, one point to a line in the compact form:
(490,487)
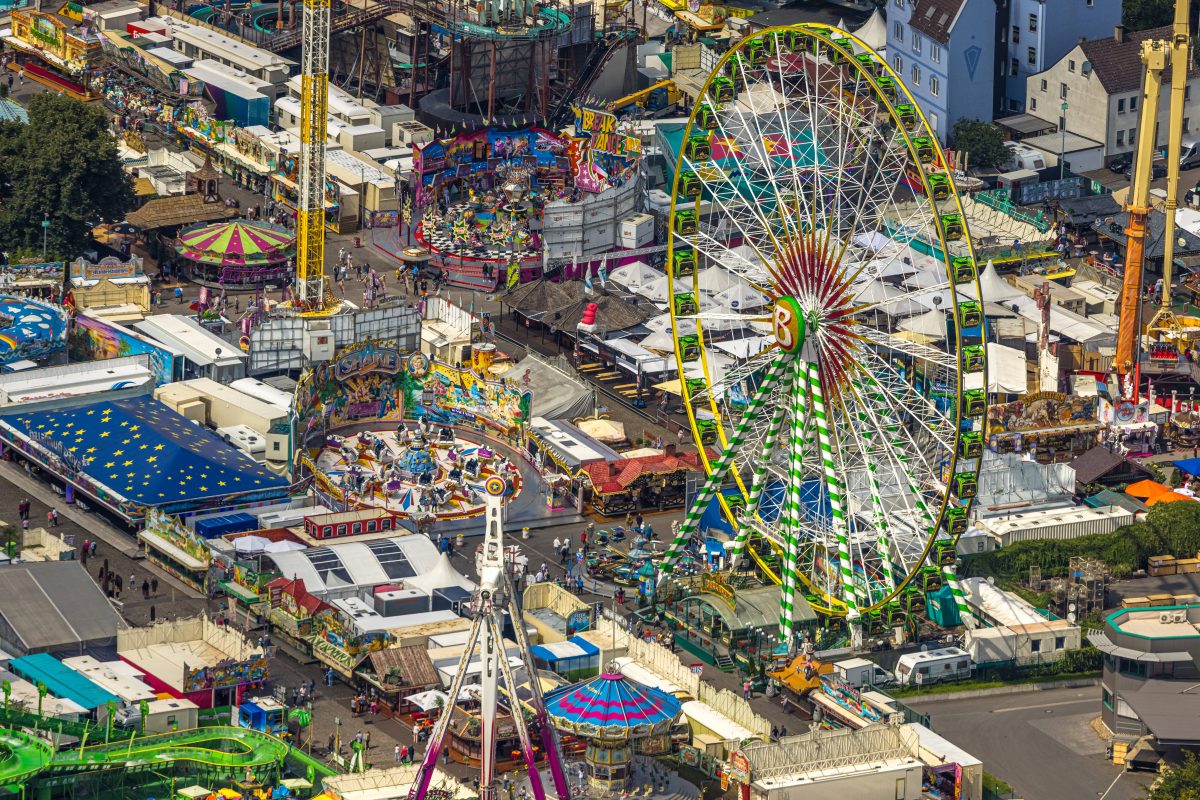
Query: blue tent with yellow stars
(147,454)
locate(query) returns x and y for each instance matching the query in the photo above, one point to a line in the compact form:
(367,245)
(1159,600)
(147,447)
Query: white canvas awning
(931,323)
(1006,371)
(741,297)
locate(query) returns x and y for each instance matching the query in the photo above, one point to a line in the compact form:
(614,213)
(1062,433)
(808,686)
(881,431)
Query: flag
(514,274)
(604,271)
(587,279)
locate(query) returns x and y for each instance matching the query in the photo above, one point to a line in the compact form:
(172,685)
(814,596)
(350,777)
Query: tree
(1180,782)
(1138,15)
(981,141)
(62,167)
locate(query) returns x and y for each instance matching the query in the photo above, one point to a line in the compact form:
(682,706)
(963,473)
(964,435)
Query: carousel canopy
(236,243)
(612,706)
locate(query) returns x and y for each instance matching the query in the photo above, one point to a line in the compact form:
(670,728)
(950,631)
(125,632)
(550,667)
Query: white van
(934,666)
(1025,157)
(1189,152)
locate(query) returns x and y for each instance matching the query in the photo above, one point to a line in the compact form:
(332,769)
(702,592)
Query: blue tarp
(61,680)
(212,527)
(1189,465)
(143,451)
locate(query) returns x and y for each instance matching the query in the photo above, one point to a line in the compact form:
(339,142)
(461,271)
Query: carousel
(489,223)
(617,717)
(423,472)
(237,253)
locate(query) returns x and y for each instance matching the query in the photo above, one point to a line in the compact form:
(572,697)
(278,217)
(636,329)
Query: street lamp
(45,228)
(1062,148)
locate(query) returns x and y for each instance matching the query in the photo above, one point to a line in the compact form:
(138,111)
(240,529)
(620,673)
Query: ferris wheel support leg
(883,542)
(756,486)
(790,518)
(717,476)
(834,489)
(960,597)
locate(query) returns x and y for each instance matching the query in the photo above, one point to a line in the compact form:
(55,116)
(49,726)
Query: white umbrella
(656,290)
(931,323)
(659,340)
(715,279)
(741,297)
(632,276)
(284,546)
(427,701)
(251,544)
(662,324)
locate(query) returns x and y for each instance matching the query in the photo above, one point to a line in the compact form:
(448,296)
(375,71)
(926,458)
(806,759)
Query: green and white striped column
(717,476)
(960,597)
(789,519)
(760,473)
(833,488)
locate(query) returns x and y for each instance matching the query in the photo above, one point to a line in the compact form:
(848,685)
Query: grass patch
(994,788)
(973,686)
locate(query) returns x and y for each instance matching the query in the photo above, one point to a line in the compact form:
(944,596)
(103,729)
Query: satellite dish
(1071,606)
(1071,617)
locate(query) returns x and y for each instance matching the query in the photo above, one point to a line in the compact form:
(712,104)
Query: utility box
(318,341)
(637,230)
(399,602)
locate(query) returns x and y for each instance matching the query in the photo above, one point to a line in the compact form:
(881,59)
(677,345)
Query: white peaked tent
(662,324)
(741,297)
(931,323)
(656,290)
(632,276)
(995,289)
(442,576)
(874,31)
(714,280)
(662,341)
(1006,371)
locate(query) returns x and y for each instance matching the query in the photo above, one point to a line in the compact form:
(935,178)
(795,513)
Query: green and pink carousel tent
(237,252)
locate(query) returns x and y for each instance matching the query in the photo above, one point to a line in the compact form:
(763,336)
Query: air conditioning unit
(1181,617)
(1165,617)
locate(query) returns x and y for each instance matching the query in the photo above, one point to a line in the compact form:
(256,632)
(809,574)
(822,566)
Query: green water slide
(225,749)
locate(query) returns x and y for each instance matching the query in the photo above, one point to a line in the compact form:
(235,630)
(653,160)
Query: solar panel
(392,559)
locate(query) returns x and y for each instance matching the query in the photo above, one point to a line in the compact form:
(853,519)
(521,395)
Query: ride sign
(739,767)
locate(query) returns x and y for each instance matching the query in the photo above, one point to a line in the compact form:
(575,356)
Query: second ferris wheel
(828,326)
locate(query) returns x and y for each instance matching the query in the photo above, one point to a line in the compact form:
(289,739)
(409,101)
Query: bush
(1168,529)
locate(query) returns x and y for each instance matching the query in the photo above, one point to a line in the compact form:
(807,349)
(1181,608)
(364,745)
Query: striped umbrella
(236,243)
(610,706)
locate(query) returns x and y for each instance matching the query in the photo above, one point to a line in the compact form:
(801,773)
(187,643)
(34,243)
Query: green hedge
(1168,529)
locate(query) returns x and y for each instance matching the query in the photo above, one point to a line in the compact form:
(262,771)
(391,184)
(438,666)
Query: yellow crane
(310,294)
(1156,56)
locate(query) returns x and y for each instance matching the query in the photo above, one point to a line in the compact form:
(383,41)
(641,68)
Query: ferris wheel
(828,327)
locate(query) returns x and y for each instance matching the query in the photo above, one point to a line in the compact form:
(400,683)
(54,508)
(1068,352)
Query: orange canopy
(1145,489)
(1167,497)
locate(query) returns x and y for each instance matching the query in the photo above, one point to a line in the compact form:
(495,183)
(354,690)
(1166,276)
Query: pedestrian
(445,755)
(746,690)
(329,677)
(416,732)
(145,589)
(374,707)
(23,509)
(25,525)
(54,517)
(86,542)
(132,580)
(50,518)
(399,756)
(94,543)
(558,546)
(154,586)
(403,753)
(152,613)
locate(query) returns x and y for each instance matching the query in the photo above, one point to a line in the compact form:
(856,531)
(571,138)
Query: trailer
(934,666)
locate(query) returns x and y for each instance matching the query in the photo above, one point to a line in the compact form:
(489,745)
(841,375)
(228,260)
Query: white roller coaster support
(756,486)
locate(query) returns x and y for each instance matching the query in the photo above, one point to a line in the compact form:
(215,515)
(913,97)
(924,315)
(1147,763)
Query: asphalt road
(1041,743)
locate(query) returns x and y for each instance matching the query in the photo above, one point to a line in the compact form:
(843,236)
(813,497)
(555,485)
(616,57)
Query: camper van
(934,666)
(1189,152)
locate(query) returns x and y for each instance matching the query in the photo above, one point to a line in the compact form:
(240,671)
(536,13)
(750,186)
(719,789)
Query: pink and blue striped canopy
(612,706)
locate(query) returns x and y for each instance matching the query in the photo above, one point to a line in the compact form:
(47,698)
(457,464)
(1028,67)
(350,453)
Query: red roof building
(649,481)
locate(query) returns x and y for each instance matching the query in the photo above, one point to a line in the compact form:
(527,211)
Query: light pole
(1062,148)
(45,228)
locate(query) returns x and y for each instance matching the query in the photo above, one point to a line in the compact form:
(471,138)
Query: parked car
(1157,170)
(1121,163)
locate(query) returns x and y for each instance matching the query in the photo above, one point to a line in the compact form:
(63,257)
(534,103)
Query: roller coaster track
(345,21)
(592,67)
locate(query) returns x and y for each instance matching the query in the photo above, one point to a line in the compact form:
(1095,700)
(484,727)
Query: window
(1091,3)
(1187,124)
(1133,101)
(916,75)
(1129,666)
(1132,136)
(356,527)
(899,3)
(1062,91)
(979,545)
(898,32)
(1016,35)
(1044,85)
(1033,104)
(1033,22)
(1121,105)
(1120,138)
(933,120)
(1106,696)
(1070,65)
(341,530)
(1013,67)
(1060,642)
(935,53)
(1031,56)
(898,63)
(370,526)
(916,42)
(922,670)
(1035,646)
(275,445)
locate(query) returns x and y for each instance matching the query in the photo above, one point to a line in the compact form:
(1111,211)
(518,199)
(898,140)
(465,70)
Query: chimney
(1119,34)
(1082,39)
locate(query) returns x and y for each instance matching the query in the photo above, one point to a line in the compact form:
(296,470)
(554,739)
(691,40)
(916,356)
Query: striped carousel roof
(238,242)
(612,706)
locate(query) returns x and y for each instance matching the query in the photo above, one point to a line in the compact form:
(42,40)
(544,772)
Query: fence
(999,200)
(665,663)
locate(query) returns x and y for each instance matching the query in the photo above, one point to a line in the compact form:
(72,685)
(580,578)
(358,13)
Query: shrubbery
(1168,529)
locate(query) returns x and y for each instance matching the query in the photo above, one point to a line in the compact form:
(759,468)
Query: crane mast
(1156,55)
(310,207)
